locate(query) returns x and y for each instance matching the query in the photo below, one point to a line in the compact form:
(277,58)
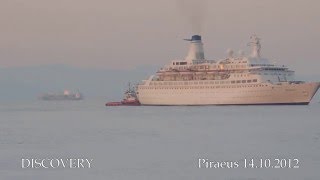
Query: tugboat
(130,99)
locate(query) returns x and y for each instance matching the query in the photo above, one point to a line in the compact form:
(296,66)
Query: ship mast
(256,46)
(129,86)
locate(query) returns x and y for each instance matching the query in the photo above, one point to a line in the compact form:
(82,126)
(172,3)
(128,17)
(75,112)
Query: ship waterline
(241,80)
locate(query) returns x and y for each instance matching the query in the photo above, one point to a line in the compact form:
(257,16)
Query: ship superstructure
(234,80)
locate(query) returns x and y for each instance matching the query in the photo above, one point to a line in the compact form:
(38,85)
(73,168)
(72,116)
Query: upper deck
(234,67)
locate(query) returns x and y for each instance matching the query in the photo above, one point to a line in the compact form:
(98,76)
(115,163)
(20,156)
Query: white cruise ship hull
(259,94)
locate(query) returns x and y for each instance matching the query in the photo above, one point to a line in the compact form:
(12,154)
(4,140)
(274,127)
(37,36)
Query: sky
(117,34)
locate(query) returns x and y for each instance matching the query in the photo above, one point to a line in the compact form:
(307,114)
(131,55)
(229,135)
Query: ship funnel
(196,49)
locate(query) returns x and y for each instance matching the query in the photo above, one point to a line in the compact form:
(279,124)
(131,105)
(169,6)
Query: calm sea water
(157,143)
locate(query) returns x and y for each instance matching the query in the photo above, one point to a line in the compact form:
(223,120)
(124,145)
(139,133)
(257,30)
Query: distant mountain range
(26,83)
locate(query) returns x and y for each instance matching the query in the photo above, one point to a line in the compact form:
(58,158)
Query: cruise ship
(234,80)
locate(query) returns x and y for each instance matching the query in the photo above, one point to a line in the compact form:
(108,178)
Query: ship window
(244,81)
(232,82)
(248,81)
(183,63)
(238,81)
(255,80)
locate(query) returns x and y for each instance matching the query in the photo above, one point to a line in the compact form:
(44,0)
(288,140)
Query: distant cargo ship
(66,95)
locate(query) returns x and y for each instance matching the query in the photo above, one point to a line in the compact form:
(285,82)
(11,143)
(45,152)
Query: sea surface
(158,143)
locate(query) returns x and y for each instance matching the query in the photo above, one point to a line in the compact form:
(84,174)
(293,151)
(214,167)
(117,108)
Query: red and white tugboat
(130,99)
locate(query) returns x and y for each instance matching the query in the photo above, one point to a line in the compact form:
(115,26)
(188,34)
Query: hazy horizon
(125,35)
(236,125)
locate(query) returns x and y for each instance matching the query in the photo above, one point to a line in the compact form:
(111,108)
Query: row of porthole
(204,87)
(206,82)
(252,93)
